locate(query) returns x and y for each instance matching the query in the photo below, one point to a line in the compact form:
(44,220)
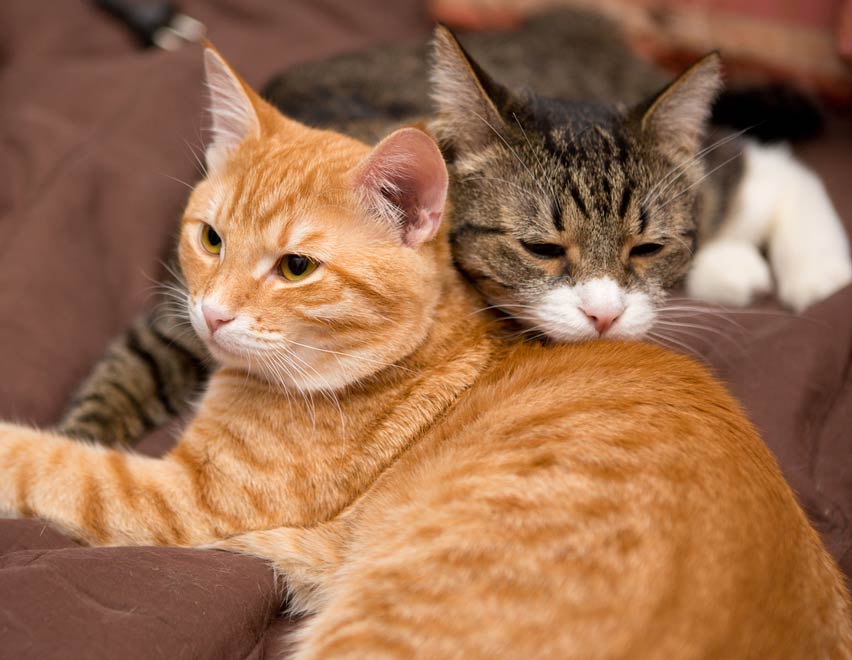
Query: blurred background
(804,42)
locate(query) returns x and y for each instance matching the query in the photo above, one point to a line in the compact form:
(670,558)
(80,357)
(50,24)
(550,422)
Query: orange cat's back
(561,511)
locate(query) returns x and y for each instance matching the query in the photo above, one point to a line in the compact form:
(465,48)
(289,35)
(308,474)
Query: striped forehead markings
(626,195)
(556,214)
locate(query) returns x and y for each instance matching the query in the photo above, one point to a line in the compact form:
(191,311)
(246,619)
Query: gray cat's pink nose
(602,319)
(215,317)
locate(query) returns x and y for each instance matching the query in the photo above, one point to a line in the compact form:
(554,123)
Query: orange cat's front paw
(24,452)
(12,481)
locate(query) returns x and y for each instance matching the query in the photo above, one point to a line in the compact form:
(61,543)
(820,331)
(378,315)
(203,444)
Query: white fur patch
(728,272)
(782,205)
(564,313)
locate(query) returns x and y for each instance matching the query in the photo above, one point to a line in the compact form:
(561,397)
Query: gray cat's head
(572,217)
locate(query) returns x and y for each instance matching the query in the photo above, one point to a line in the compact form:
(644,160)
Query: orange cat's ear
(233,113)
(404,181)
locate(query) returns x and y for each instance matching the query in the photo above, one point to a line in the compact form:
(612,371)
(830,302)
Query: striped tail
(149,375)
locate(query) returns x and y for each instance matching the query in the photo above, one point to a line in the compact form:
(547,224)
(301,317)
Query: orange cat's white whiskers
(194,150)
(273,371)
(353,356)
(289,382)
(327,392)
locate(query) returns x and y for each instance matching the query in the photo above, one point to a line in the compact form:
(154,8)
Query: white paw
(814,280)
(728,272)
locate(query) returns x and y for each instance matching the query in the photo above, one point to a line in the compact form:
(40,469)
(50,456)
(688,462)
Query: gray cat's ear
(677,117)
(467,99)
(404,181)
(232,110)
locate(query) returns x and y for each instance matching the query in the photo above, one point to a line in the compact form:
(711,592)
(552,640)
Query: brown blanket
(98,137)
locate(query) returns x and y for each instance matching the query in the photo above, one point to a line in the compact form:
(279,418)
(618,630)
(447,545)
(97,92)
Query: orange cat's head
(308,255)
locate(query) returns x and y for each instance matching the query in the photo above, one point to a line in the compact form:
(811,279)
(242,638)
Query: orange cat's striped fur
(437,491)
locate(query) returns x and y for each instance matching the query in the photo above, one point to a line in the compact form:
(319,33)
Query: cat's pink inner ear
(233,116)
(405,181)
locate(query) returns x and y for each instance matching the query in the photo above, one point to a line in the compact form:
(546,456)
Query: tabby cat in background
(764,200)
(436,490)
(565,216)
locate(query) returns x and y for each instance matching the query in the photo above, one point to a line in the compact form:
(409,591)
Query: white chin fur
(236,345)
(559,313)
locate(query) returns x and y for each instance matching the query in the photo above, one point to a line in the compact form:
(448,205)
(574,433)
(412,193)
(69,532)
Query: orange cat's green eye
(210,240)
(295,267)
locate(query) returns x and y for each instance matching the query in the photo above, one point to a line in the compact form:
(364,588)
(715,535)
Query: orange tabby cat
(445,493)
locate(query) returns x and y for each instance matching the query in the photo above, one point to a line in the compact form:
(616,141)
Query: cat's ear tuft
(233,114)
(677,117)
(404,181)
(467,99)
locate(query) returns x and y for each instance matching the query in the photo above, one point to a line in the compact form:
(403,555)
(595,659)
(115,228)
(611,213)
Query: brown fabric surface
(793,373)
(62,601)
(95,135)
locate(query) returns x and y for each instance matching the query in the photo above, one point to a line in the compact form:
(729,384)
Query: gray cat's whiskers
(514,153)
(669,342)
(677,171)
(694,306)
(500,306)
(553,195)
(734,347)
(682,324)
(702,330)
(680,311)
(480,177)
(700,180)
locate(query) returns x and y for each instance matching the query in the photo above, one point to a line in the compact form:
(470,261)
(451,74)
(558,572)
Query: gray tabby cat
(756,198)
(572,217)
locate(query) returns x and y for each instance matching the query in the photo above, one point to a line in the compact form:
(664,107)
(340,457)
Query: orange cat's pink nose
(215,317)
(602,319)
